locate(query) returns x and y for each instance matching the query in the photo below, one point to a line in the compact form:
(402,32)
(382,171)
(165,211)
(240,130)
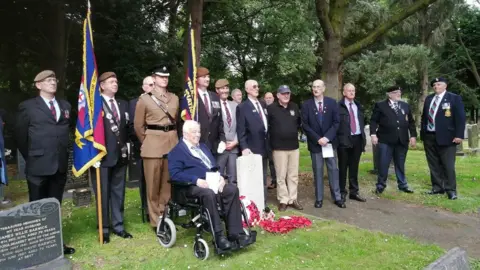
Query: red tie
(52,109)
(114,109)
(227,112)
(205,102)
(353,125)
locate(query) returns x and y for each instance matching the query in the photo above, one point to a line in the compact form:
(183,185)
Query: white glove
(96,165)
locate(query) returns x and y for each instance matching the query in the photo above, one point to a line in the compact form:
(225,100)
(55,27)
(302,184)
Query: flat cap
(161,70)
(43,75)
(393,88)
(439,79)
(201,71)
(106,75)
(221,83)
(283,89)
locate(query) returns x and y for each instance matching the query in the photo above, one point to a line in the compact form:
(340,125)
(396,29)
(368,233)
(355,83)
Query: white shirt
(55,105)
(110,105)
(225,109)
(438,100)
(262,113)
(355,114)
(202,94)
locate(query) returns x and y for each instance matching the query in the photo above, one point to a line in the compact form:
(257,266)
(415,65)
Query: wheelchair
(199,219)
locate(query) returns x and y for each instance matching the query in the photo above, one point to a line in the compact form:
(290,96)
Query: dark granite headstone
(72,181)
(31,236)
(21,165)
(134,170)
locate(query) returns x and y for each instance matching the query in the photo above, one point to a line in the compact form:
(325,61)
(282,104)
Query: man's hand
(457,140)
(413,142)
(231,145)
(246,152)
(96,165)
(323,141)
(222,184)
(374,139)
(202,183)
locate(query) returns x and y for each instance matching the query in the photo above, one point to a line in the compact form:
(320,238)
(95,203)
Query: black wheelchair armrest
(180,183)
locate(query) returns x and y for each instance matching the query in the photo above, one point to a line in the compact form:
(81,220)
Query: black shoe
(106,238)
(318,204)
(242,239)
(68,250)
(223,243)
(378,191)
(123,234)
(340,204)
(344,197)
(452,195)
(433,192)
(357,197)
(406,190)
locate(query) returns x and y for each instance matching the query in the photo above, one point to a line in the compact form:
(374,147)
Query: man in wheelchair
(188,163)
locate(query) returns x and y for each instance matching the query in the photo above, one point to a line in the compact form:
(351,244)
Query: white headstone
(250,179)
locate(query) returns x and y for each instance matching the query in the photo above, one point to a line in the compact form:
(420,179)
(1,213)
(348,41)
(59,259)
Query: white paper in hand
(213,181)
(221,147)
(327,151)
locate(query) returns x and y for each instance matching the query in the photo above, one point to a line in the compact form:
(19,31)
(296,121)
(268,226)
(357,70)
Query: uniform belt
(162,128)
(430,132)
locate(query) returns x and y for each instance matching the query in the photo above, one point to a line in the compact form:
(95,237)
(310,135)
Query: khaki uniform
(155,144)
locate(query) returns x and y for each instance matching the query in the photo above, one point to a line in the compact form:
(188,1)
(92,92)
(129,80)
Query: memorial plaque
(31,235)
(250,179)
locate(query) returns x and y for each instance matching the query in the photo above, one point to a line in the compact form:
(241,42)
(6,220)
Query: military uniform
(157,133)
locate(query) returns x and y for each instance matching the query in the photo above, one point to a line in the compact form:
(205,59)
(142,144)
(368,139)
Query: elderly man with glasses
(392,127)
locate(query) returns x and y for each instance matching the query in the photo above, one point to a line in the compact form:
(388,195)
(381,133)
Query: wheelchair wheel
(168,237)
(200,249)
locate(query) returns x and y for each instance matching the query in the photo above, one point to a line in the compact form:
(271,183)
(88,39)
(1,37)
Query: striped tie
(203,157)
(431,115)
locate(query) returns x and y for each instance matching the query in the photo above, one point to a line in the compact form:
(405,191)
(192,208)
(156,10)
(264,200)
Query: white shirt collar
(441,95)
(253,100)
(202,92)
(48,101)
(107,98)
(189,145)
(393,102)
(318,100)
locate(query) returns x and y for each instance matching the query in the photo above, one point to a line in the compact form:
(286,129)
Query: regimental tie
(320,111)
(431,114)
(202,156)
(353,125)
(52,109)
(260,113)
(114,109)
(227,112)
(205,102)
(395,107)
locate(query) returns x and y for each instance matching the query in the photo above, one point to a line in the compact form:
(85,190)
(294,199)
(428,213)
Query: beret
(393,88)
(106,75)
(43,75)
(221,83)
(439,79)
(201,71)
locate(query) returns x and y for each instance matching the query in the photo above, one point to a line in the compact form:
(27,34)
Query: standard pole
(99,208)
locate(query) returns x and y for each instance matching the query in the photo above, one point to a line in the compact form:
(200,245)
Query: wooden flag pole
(99,208)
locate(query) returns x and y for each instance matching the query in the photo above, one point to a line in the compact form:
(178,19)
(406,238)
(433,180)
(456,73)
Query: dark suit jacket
(447,127)
(251,132)
(391,128)
(211,126)
(344,132)
(3,163)
(185,167)
(43,141)
(113,147)
(316,129)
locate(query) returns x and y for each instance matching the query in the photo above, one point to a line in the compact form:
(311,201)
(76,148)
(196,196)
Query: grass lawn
(325,245)
(418,177)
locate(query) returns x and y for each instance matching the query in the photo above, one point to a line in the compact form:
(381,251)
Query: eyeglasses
(51,80)
(255,86)
(149,84)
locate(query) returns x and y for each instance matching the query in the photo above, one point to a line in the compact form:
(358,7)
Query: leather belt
(162,128)
(429,132)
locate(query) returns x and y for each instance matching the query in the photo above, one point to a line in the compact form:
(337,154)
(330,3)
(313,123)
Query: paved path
(428,225)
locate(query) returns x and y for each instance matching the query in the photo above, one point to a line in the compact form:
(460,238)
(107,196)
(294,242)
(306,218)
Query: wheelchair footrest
(236,245)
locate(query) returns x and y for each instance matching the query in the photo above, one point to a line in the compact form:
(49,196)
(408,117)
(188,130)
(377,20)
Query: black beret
(439,79)
(393,88)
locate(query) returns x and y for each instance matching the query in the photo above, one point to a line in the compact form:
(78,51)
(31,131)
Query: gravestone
(473,136)
(31,236)
(21,165)
(72,181)
(454,259)
(250,179)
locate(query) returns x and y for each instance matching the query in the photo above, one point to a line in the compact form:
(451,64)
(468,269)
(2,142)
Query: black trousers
(348,161)
(441,161)
(230,201)
(112,184)
(271,165)
(46,186)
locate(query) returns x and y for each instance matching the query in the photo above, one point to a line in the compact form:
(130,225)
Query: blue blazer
(316,129)
(3,163)
(447,127)
(251,132)
(185,167)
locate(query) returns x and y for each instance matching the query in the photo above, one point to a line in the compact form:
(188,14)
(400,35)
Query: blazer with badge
(449,120)
(211,125)
(251,131)
(41,139)
(344,133)
(390,127)
(113,145)
(314,128)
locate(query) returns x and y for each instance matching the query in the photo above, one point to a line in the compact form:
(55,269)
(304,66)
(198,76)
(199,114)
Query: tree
(332,16)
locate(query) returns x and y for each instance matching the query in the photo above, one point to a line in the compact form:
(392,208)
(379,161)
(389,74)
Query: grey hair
(189,125)
(236,90)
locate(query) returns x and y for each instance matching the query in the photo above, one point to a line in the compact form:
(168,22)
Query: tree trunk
(332,60)
(196,12)
(423,67)
(172,18)
(58,38)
